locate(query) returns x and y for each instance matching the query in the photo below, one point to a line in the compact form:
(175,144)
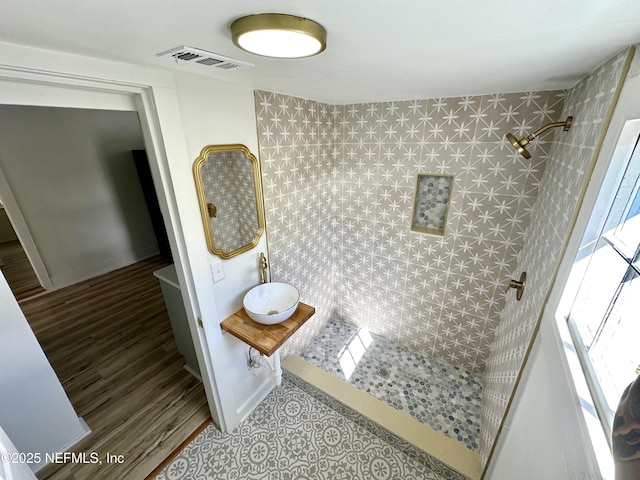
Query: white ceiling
(376,49)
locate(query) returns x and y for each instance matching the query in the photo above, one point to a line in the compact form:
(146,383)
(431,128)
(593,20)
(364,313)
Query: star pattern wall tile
(297,156)
(339,185)
(402,271)
(549,226)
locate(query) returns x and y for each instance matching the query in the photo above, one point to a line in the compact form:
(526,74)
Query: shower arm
(524,141)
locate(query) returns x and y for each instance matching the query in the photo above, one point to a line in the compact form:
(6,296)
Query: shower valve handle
(519,285)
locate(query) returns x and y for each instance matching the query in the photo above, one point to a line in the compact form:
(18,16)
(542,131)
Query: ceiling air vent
(202,57)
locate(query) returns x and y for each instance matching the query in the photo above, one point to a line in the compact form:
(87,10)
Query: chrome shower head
(520,145)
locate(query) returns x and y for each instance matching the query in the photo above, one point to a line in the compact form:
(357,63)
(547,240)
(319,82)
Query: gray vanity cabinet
(179,323)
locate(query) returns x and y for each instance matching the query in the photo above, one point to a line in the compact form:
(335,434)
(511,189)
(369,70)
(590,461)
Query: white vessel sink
(271,303)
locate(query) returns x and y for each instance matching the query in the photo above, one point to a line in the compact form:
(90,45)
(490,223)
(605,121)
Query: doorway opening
(91,223)
(14,263)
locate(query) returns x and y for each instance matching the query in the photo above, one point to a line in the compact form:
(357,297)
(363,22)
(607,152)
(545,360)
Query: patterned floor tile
(299,433)
(445,397)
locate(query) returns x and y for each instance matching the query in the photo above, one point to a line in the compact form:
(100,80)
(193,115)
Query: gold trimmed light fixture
(279,35)
(520,145)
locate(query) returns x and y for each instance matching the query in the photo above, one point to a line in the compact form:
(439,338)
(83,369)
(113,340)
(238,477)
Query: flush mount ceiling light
(278,35)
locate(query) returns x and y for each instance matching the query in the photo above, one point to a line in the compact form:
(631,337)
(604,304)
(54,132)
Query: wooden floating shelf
(266,338)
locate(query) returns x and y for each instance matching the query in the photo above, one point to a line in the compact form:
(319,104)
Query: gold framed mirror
(229,189)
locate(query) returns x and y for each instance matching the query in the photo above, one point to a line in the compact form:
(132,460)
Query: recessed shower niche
(431,207)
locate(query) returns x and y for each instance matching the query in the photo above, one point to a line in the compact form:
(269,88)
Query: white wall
(546,417)
(72,175)
(544,436)
(12,471)
(229,119)
(35,411)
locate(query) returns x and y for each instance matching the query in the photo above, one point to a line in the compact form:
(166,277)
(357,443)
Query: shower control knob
(519,285)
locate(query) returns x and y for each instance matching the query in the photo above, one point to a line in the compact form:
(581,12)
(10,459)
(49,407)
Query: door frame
(21,229)
(152,95)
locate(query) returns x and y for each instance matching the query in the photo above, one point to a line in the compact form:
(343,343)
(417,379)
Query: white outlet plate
(217,270)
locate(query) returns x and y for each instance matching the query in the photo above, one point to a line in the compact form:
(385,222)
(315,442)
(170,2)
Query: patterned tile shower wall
(298,167)
(441,295)
(341,180)
(560,188)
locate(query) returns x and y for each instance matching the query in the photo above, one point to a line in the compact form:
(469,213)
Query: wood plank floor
(110,342)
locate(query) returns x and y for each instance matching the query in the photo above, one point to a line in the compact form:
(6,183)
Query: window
(604,308)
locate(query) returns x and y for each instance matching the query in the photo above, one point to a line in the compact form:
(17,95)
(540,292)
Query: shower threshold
(449,458)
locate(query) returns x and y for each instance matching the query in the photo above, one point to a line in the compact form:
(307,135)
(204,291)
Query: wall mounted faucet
(263,268)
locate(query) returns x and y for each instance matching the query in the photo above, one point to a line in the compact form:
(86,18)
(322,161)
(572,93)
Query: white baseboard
(72,277)
(254,400)
(192,372)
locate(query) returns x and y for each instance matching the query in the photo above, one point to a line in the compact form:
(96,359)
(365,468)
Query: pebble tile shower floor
(443,396)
